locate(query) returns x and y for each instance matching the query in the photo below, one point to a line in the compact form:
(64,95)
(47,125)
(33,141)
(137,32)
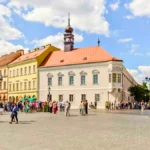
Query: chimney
(21,51)
(48,45)
(36,49)
(43,47)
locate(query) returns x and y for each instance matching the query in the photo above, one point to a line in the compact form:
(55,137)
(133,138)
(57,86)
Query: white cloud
(86,15)
(134,50)
(139,7)
(126,40)
(140,73)
(129,17)
(56,40)
(114,6)
(7,47)
(7,32)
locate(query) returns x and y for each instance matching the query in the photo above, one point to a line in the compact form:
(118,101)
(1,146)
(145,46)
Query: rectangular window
(17,72)
(9,87)
(25,70)
(71,98)
(34,69)
(95,79)
(59,80)
(34,85)
(29,85)
(4,85)
(83,97)
(119,78)
(25,85)
(71,80)
(13,73)
(109,78)
(114,77)
(97,97)
(20,86)
(13,87)
(17,86)
(49,81)
(10,73)
(82,80)
(60,98)
(0,85)
(29,69)
(21,71)
(5,73)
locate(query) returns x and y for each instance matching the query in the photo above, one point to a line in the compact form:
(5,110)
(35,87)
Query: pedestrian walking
(54,107)
(1,108)
(14,114)
(86,107)
(142,106)
(68,105)
(50,106)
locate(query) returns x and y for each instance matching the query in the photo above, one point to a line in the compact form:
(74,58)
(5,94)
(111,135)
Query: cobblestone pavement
(100,130)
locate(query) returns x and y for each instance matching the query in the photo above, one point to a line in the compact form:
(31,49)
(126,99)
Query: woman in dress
(54,107)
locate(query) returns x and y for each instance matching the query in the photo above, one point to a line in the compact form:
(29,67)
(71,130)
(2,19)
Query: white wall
(77,89)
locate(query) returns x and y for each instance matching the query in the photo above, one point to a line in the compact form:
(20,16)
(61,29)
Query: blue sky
(121,25)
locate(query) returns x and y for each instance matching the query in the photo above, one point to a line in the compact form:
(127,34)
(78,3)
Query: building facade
(96,82)
(76,74)
(23,73)
(4,61)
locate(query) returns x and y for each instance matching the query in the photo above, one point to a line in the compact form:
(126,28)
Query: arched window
(50,76)
(95,76)
(71,77)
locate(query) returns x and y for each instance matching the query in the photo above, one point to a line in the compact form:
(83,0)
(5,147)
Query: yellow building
(23,73)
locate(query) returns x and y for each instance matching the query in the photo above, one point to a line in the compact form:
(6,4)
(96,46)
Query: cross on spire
(98,42)
(69,19)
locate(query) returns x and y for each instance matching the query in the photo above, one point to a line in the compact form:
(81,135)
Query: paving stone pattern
(100,130)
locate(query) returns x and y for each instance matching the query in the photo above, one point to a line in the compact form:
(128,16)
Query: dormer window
(85,58)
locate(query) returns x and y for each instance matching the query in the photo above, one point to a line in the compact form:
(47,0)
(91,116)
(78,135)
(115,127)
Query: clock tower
(68,37)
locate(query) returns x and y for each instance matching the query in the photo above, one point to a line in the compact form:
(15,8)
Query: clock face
(67,39)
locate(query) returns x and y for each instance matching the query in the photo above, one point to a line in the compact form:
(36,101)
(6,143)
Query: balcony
(115,85)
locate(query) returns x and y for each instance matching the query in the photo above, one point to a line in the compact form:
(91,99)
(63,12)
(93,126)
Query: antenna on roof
(98,42)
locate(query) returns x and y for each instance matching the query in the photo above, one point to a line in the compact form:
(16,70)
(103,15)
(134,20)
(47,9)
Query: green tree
(139,92)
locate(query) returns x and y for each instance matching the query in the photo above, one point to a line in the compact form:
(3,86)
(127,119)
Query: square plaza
(100,130)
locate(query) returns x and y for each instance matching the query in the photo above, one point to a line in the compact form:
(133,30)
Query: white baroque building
(85,73)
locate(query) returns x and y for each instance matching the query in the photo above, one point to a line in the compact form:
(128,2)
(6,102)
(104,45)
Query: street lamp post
(49,94)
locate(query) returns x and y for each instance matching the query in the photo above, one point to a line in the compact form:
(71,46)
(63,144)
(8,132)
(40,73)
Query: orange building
(4,61)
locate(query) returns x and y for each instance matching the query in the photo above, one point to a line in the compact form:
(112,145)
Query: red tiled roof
(8,58)
(30,55)
(78,56)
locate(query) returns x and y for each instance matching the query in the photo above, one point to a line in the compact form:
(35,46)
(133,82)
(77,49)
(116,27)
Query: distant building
(23,73)
(4,61)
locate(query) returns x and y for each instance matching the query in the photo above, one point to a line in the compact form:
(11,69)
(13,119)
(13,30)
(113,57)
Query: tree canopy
(140,92)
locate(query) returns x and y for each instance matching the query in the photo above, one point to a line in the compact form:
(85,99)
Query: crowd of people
(53,107)
(126,105)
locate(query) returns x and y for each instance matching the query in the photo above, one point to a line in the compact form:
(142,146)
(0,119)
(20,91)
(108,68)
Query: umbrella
(32,99)
(23,99)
